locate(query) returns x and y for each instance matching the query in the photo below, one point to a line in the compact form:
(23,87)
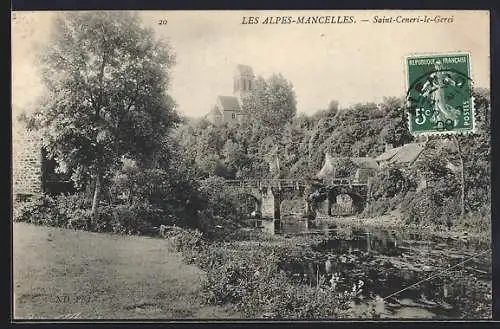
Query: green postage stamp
(440,94)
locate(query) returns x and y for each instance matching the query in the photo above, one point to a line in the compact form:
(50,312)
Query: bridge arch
(295,205)
(358,201)
(269,193)
(358,195)
(242,193)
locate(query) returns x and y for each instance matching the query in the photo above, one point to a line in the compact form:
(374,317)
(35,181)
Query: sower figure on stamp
(435,89)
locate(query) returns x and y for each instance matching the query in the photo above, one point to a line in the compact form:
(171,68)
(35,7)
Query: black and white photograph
(251,165)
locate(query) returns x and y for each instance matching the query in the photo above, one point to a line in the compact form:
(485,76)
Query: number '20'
(162,22)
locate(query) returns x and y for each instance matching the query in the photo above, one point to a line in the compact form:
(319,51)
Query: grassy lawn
(62,273)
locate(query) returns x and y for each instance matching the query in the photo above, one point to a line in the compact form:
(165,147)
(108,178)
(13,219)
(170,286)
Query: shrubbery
(427,208)
(391,182)
(128,219)
(437,204)
(139,201)
(157,196)
(39,210)
(61,211)
(254,281)
(73,211)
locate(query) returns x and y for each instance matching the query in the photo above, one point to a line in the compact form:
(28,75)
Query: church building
(227,109)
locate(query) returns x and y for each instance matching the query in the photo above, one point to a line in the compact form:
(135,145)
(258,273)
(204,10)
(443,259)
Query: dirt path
(62,273)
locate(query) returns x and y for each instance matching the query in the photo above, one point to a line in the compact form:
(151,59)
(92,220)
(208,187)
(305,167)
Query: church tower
(243,80)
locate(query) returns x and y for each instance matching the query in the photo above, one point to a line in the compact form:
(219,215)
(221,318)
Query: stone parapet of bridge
(269,193)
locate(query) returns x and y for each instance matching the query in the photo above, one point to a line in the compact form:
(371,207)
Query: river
(410,275)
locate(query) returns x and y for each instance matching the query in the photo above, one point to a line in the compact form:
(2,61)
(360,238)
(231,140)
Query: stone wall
(26,162)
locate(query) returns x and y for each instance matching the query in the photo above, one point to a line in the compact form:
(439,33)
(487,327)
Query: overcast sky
(345,62)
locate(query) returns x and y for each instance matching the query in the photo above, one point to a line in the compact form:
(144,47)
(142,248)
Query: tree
(271,104)
(473,154)
(208,152)
(235,157)
(105,80)
(462,176)
(396,132)
(392,107)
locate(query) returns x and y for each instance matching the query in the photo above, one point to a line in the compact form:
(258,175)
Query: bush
(61,211)
(221,205)
(277,298)
(391,182)
(190,243)
(377,207)
(427,207)
(158,196)
(78,219)
(74,211)
(39,210)
(253,281)
(224,284)
(188,240)
(140,219)
(169,197)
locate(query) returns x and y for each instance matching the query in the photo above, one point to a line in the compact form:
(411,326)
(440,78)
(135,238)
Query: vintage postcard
(257,165)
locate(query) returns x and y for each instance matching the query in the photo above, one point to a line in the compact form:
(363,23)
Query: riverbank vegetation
(256,277)
(320,277)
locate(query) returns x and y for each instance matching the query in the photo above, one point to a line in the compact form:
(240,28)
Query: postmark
(439,96)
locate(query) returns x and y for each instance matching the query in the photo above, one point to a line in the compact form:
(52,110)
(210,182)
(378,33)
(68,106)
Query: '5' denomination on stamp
(440,94)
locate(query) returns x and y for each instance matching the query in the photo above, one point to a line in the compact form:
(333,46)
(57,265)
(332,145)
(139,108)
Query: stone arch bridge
(270,193)
(358,191)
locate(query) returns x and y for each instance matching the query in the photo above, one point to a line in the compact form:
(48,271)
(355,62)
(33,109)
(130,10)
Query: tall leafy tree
(272,103)
(396,131)
(472,153)
(105,78)
(235,157)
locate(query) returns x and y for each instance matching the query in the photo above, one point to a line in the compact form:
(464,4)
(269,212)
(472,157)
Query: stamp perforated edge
(447,132)
(473,107)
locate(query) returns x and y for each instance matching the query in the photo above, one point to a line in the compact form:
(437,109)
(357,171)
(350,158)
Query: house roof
(330,164)
(215,112)
(387,154)
(365,162)
(327,169)
(405,154)
(229,103)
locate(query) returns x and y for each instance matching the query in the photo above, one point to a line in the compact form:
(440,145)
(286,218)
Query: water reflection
(380,238)
(389,261)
